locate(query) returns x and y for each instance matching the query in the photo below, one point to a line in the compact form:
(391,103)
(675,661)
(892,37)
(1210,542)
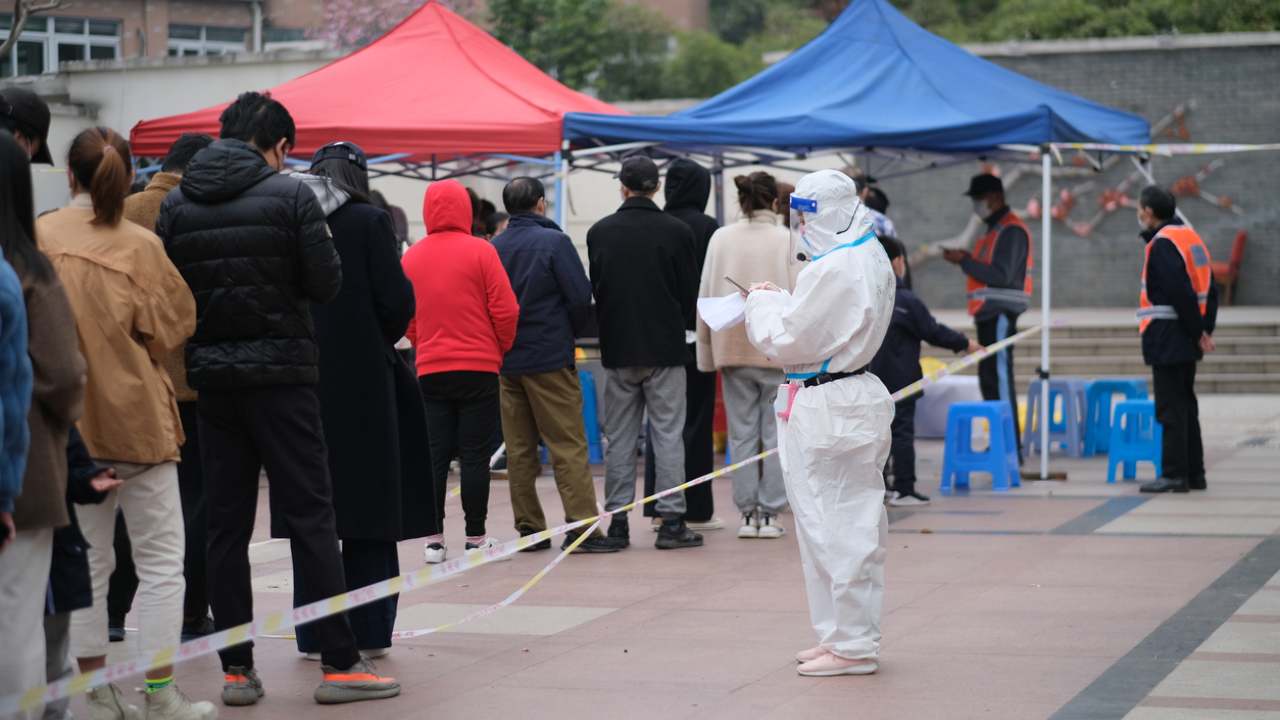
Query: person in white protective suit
(833,416)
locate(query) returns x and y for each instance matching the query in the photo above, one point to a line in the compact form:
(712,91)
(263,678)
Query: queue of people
(159,351)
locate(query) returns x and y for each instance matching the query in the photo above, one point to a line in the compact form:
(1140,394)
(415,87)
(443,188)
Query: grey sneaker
(107,703)
(170,704)
(241,687)
(358,682)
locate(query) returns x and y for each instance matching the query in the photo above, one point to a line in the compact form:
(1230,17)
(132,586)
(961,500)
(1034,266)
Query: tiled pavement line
(1129,681)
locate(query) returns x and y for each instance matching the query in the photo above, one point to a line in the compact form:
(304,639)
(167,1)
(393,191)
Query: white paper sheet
(720,313)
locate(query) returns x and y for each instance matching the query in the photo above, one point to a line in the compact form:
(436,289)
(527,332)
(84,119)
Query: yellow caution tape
(286,619)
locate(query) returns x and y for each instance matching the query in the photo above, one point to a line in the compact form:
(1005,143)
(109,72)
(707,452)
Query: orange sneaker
(355,684)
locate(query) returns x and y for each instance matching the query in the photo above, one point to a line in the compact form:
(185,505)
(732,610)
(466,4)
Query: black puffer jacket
(254,247)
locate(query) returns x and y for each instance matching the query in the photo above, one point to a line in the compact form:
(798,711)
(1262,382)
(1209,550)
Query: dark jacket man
(1173,342)
(552,289)
(254,248)
(643,275)
(897,364)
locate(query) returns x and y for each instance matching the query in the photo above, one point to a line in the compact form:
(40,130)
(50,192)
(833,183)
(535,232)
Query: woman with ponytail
(755,249)
(131,310)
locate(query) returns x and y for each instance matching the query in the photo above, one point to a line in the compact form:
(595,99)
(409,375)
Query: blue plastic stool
(1066,416)
(1099,396)
(1000,459)
(591,417)
(1136,436)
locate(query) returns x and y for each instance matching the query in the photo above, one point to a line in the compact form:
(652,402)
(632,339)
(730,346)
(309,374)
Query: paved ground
(1062,600)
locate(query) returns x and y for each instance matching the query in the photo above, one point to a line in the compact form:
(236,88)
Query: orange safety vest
(1195,256)
(977,291)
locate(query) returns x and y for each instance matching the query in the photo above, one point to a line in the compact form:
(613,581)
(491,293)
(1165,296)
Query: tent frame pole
(1046,251)
(562,177)
(717,186)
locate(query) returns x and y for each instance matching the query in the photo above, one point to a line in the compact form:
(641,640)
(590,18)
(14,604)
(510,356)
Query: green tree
(566,38)
(736,20)
(637,55)
(705,65)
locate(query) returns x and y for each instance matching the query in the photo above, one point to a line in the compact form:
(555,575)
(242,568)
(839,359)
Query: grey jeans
(753,428)
(628,393)
(57,662)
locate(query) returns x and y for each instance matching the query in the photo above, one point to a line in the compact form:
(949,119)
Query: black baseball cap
(342,150)
(25,112)
(980,185)
(639,174)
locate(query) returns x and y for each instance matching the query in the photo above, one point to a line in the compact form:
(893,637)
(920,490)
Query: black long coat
(377,453)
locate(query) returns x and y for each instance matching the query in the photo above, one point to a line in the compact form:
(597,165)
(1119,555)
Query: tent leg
(1046,251)
(717,187)
(562,172)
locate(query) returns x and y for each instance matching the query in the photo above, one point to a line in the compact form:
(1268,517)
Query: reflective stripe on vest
(1196,261)
(984,250)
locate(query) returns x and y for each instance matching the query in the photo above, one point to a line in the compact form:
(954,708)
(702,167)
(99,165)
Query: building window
(200,40)
(48,41)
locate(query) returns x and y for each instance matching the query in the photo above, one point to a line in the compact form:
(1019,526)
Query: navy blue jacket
(897,363)
(1174,342)
(552,289)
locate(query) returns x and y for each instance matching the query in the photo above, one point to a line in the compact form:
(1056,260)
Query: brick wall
(1234,89)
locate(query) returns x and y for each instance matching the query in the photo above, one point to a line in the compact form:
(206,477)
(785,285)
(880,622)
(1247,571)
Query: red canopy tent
(432,88)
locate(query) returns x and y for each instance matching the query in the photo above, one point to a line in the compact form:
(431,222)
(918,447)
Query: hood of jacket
(331,196)
(224,170)
(688,185)
(447,207)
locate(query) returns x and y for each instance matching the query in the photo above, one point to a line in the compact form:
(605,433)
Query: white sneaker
(170,704)
(107,703)
(311,657)
(831,665)
(484,545)
(433,553)
(908,500)
(768,530)
(714,523)
(749,528)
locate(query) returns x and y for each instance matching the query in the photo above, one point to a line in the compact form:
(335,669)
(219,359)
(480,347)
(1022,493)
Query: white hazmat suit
(835,440)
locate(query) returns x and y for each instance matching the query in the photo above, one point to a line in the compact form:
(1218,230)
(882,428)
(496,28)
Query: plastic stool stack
(1000,459)
(1135,437)
(1066,416)
(1099,395)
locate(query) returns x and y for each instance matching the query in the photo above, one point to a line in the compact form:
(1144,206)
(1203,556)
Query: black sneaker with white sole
(675,534)
(911,499)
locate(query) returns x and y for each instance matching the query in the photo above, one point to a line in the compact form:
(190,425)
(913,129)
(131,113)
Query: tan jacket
(56,400)
(132,308)
(143,209)
(751,250)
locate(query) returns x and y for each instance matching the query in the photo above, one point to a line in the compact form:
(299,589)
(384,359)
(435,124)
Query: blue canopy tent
(874,80)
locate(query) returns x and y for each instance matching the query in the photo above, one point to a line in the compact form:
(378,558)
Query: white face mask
(980,209)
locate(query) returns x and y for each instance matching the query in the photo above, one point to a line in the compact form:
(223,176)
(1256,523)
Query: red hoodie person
(467,313)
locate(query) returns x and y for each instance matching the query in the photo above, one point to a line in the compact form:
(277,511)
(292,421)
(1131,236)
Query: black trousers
(462,418)
(1178,411)
(902,449)
(700,396)
(995,373)
(365,562)
(279,428)
(124,579)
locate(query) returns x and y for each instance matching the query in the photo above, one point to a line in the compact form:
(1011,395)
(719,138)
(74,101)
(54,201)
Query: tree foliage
(634,62)
(566,38)
(355,23)
(703,65)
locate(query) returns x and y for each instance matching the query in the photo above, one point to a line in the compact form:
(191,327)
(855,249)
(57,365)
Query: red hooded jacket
(466,312)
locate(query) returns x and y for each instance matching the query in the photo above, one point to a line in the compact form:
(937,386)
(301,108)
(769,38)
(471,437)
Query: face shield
(824,209)
(803,210)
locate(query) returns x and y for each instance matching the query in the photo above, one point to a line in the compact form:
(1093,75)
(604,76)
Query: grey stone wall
(1236,92)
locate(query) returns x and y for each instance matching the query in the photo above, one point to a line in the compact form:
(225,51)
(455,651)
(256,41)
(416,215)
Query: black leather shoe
(595,545)
(1197,483)
(1163,485)
(197,629)
(543,545)
(620,530)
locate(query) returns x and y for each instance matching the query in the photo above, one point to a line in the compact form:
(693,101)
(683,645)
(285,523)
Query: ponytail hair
(101,163)
(757,191)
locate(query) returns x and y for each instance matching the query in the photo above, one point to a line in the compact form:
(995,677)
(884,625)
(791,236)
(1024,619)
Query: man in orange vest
(1177,310)
(998,287)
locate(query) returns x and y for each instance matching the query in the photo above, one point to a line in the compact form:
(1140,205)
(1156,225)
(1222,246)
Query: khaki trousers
(546,406)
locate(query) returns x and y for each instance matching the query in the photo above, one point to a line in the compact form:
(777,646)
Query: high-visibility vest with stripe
(1195,257)
(979,292)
